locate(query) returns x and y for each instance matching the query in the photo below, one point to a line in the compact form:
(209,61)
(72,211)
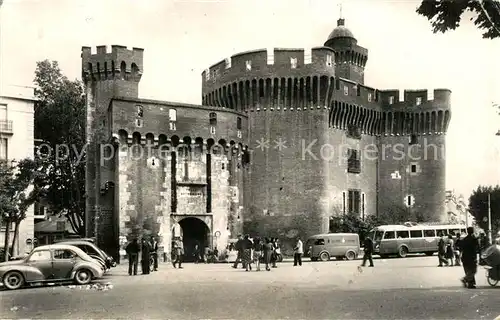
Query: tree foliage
(447,15)
(478,206)
(60,124)
(20,187)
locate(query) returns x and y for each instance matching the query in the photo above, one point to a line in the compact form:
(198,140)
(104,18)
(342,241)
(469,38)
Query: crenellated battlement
(270,63)
(117,63)
(418,99)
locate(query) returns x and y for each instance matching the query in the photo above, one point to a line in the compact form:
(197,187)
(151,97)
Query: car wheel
(324,256)
(83,276)
(350,255)
(13,280)
(403,252)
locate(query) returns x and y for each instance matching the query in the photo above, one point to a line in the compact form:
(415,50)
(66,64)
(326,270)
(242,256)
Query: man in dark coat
(368,248)
(239,248)
(146,252)
(442,249)
(469,246)
(154,252)
(132,250)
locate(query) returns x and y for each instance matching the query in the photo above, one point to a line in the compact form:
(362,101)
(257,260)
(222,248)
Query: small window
(172,115)
(212,130)
(248,65)
(418,101)
(172,126)
(139,123)
(413,168)
(391,100)
(239,134)
(409,201)
(329,60)
(416,233)
(369,97)
(41,256)
(64,254)
(402,234)
(441,232)
(238,123)
(346,90)
(140,111)
(212,118)
(228,63)
(293,63)
(453,232)
(430,233)
(319,242)
(413,139)
(207,74)
(389,235)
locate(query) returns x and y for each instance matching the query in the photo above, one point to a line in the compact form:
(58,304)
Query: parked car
(50,263)
(92,250)
(333,245)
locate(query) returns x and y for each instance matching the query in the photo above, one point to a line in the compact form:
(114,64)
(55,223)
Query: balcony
(6,126)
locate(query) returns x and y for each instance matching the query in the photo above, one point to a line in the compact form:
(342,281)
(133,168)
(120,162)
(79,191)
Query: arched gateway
(194,230)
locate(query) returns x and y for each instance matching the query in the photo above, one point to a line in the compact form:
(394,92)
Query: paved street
(412,288)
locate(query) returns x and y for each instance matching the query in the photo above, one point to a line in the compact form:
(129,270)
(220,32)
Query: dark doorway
(194,232)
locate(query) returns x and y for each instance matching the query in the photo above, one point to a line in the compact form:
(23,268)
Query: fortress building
(282,141)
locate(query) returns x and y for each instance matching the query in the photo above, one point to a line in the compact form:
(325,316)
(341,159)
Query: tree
(19,189)
(478,206)
(60,124)
(446,15)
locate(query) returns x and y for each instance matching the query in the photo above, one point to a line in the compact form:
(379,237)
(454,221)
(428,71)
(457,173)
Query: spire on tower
(340,8)
(340,21)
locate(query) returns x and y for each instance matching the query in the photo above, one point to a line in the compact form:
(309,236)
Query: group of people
(464,251)
(449,249)
(148,249)
(262,250)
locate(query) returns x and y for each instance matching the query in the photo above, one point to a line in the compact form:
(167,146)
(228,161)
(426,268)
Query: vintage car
(92,250)
(51,263)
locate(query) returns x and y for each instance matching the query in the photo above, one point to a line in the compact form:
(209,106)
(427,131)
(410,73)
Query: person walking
(238,246)
(456,249)
(469,246)
(154,253)
(442,250)
(298,252)
(274,254)
(268,251)
(368,251)
(247,246)
(132,251)
(257,252)
(145,256)
(179,252)
(450,254)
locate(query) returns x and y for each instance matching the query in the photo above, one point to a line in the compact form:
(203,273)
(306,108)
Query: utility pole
(489,218)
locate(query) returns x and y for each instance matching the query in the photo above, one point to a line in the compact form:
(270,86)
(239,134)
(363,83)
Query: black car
(92,250)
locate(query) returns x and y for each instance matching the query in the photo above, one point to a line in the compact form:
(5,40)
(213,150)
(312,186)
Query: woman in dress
(257,252)
(247,253)
(268,251)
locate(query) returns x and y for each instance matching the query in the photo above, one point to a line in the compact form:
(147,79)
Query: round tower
(351,58)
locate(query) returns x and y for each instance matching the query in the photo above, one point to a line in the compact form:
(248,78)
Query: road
(411,288)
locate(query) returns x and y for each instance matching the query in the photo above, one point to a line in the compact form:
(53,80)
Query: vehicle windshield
(376,235)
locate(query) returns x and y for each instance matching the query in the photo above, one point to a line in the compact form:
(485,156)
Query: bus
(400,240)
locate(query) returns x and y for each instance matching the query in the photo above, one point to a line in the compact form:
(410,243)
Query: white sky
(182,38)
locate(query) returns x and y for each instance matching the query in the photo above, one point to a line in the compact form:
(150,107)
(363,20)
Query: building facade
(17,143)
(282,141)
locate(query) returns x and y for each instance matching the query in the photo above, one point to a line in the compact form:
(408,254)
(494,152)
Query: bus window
(430,233)
(319,242)
(416,233)
(464,231)
(453,232)
(441,232)
(378,235)
(389,235)
(403,234)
